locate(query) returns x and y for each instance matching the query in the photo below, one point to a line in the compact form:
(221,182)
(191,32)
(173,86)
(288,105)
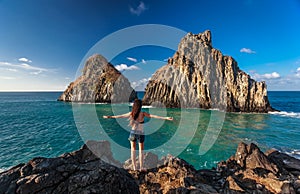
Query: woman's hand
(106,117)
(169,118)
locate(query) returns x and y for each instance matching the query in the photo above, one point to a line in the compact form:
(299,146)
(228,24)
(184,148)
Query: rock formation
(78,172)
(252,170)
(248,171)
(200,76)
(100,82)
(92,169)
(173,175)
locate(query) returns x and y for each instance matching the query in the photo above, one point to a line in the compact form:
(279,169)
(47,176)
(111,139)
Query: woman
(136,118)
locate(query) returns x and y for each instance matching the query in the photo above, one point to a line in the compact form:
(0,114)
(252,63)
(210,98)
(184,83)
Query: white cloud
(35,72)
(288,83)
(5,64)
(123,67)
(247,50)
(7,78)
(298,72)
(288,79)
(141,84)
(139,9)
(25,66)
(132,59)
(22,66)
(23,59)
(273,75)
(10,69)
(143,61)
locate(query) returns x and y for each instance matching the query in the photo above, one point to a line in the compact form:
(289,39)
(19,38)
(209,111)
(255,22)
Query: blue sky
(42,42)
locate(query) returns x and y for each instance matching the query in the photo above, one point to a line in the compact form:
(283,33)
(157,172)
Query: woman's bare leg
(133,148)
(141,155)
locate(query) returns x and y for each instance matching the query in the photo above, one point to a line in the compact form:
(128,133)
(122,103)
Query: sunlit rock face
(199,75)
(100,82)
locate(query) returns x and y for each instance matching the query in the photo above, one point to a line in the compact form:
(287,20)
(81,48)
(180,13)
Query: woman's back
(138,123)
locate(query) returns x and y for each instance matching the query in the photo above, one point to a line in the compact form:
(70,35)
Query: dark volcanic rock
(150,161)
(250,156)
(82,171)
(100,82)
(251,170)
(173,176)
(284,162)
(200,76)
(77,172)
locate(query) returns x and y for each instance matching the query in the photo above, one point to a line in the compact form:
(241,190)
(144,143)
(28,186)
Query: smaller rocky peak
(96,65)
(96,59)
(100,82)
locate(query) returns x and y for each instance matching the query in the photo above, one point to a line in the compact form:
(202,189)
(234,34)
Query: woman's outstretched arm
(126,115)
(157,117)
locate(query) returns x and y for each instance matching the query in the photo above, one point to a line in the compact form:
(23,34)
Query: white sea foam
(89,102)
(131,104)
(294,153)
(3,169)
(287,114)
(147,106)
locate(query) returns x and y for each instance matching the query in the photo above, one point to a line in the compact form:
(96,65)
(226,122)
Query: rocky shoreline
(92,169)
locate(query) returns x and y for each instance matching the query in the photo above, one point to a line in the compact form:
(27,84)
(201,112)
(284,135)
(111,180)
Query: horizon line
(136,91)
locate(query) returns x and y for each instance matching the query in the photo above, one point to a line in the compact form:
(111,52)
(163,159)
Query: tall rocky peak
(100,82)
(198,75)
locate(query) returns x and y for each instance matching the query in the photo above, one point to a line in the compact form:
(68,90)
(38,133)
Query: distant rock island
(100,82)
(92,169)
(198,75)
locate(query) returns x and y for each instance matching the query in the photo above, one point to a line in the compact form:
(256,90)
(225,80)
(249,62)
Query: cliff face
(200,76)
(100,82)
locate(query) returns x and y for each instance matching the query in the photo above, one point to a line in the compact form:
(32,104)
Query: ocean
(35,124)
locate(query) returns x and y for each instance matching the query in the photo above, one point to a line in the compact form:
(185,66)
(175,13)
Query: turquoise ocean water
(34,124)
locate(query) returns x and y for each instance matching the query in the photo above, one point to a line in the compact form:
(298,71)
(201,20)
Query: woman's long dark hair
(136,109)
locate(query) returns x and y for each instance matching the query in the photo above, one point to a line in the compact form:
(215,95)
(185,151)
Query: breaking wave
(287,114)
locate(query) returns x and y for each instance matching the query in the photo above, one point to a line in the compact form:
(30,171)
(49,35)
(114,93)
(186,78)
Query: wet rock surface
(92,169)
